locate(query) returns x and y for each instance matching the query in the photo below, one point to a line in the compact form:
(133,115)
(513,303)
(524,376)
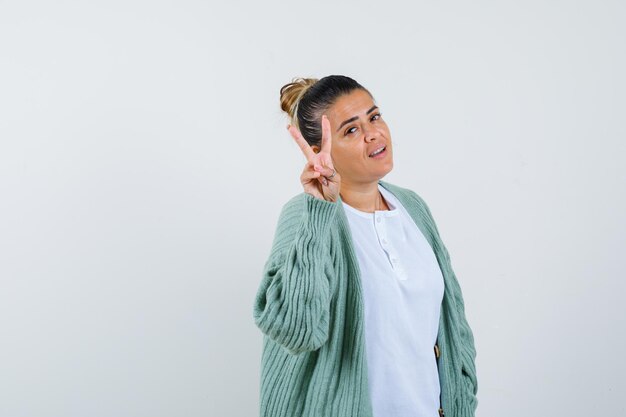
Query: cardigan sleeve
(469,402)
(468,349)
(292,304)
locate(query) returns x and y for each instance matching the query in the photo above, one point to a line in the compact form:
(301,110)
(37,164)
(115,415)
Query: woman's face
(358,129)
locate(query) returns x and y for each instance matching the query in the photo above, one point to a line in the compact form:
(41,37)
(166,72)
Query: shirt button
(378,219)
(384,241)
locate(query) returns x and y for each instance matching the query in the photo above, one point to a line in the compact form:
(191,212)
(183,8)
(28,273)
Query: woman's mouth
(379,153)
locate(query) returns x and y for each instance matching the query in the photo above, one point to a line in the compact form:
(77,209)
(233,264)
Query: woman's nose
(370,133)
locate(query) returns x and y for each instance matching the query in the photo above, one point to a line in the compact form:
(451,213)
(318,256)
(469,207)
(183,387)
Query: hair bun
(291,93)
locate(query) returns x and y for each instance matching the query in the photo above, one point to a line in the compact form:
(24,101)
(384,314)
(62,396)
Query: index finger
(302,143)
(326,135)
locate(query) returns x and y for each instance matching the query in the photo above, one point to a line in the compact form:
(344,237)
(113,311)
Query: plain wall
(144,161)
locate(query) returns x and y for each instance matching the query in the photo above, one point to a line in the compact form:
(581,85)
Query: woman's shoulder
(404,193)
(294,202)
(298,201)
(296,205)
(304,204)
(291,208)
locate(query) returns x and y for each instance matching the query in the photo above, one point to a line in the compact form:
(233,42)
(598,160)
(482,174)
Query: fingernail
(325,181)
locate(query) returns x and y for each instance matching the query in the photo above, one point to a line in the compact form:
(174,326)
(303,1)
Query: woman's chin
(382,171)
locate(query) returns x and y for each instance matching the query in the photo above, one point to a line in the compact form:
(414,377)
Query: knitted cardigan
(309,308)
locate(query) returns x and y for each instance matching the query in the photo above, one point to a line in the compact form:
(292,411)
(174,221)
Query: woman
(361,312)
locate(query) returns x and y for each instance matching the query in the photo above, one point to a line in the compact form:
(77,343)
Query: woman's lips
(380,155)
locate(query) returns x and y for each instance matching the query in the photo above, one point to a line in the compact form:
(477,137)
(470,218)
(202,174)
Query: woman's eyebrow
(352,119)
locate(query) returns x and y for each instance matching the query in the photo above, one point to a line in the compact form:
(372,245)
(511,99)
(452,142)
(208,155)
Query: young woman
(361,311)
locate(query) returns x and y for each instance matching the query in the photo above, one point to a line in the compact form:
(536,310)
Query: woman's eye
(348,131)
(374,117)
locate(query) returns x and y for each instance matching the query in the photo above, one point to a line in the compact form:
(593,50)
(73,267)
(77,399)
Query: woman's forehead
(358,103)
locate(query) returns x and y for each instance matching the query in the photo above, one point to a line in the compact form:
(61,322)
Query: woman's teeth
(379,151)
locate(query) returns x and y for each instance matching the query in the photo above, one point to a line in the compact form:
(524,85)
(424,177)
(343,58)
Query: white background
(144,161)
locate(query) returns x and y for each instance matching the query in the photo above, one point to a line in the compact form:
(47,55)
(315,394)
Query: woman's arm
(467,336)
(292,304)
(468,349)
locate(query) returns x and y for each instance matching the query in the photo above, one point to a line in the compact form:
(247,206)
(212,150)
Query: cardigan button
(441,411)
(437,353)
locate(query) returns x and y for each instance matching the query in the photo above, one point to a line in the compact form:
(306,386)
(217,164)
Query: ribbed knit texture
(309,307)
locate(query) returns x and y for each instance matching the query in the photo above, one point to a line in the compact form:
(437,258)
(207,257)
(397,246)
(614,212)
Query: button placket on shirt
(388,247)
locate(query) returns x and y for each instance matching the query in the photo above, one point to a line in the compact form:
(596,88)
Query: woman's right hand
(319,166)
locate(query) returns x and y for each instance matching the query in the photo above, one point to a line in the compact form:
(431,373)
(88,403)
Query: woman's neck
(363,197)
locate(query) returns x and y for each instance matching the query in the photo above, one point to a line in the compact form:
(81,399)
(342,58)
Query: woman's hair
(306,99)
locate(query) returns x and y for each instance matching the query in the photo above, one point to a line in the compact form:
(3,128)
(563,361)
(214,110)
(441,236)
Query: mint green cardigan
(309,307)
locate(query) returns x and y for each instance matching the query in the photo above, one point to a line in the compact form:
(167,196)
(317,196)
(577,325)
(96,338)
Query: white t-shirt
(402,294)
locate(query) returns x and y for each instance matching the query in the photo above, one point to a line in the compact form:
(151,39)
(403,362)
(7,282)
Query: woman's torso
(402,292)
